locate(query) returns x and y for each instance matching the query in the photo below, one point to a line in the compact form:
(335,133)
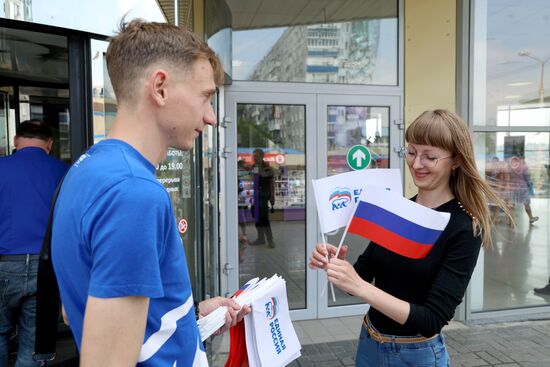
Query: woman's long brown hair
(446,130)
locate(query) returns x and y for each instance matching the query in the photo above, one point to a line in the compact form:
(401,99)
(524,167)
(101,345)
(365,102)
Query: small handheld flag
(336,195)
(396,223)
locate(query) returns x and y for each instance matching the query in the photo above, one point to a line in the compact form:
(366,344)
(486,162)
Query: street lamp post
(541,62)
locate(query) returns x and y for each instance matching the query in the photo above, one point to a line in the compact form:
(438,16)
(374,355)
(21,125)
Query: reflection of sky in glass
(386,63)
(98,16)
(514,26)
(249,47)
(98,51)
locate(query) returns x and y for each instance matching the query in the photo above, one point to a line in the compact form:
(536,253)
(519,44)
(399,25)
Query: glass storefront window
(516,166)
(510,52)
(50,105)
(272,195)
(34,70)
(354,52)
(511,123)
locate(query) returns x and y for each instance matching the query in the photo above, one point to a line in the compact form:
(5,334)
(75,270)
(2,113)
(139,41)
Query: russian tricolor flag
(396,223)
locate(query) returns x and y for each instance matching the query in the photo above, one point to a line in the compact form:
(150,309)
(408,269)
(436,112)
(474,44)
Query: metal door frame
(316,103)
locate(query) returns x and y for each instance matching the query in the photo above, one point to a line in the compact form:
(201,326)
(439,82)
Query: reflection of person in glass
(412,299)
(521,186)
(496,175)
(264,193)
(242,210)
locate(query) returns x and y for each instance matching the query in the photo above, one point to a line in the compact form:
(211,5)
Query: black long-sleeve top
(434,286)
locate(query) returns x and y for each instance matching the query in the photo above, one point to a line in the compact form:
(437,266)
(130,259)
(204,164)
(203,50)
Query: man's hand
(234,312)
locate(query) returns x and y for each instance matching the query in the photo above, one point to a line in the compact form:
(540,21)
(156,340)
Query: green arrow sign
(358,157)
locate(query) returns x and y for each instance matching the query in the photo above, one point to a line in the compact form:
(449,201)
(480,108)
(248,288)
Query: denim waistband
(26,257)
(383,338)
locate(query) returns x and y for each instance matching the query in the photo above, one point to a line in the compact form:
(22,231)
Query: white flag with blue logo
(337,195)
(271,340)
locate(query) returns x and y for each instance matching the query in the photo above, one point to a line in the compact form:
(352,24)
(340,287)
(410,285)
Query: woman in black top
(412,299)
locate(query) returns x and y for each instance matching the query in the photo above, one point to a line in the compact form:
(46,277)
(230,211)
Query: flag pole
(337,252)
(345,233)
(326,258)
(321,229)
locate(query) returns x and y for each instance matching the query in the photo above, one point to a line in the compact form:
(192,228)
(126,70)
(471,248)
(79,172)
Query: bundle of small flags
(216,319)
(267,337)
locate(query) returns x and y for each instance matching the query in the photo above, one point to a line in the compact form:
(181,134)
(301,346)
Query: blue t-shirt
(114,235)
(27,183)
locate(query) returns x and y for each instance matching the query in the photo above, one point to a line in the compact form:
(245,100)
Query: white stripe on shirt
(168,326)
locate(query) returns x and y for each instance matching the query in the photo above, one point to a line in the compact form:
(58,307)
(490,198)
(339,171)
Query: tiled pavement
(524,344)
(510,344)
(332,343)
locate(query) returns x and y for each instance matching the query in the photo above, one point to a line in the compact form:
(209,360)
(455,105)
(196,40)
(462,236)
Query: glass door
(269,208)
(277,143)
(346,121)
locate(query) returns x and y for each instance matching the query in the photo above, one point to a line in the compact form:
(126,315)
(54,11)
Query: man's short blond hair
(140,44)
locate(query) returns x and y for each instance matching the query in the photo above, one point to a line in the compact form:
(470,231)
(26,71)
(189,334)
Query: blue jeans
(430,353)
(18,307)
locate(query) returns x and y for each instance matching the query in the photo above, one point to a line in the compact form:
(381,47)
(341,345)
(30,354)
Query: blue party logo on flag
(272,308)
(340,198)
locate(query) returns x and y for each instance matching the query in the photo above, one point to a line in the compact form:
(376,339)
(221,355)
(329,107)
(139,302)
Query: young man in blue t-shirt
(116,250)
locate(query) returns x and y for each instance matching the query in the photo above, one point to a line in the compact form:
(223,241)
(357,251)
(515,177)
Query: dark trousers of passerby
(18,306)
(263,227)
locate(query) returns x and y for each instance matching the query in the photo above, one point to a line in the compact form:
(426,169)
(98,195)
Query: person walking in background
(264,194)
(116,249)
(27,185)
(521,186)
(411,300)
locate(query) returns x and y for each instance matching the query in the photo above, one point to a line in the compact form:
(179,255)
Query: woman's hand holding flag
(343,275)
(322,252)
(339,271)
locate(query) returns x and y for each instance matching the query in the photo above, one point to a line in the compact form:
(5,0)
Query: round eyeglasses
(426,160)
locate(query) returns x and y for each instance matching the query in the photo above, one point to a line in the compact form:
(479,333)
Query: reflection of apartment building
(286,58)
(324,53)
(18,9)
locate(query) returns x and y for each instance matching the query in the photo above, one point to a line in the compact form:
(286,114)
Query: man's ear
(157,86)
(15,140)
(49,145)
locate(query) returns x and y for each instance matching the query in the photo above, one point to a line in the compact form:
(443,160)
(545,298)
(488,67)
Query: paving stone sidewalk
(525,344)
